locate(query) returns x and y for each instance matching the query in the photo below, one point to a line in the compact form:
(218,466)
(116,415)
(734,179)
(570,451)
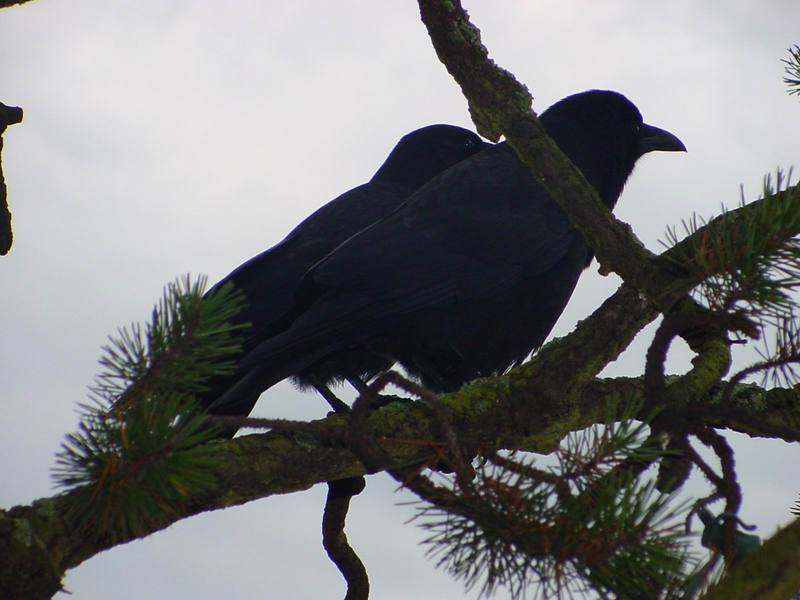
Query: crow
(270,279)
(469,275)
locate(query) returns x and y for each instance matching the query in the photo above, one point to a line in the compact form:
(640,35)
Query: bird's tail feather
(240,397)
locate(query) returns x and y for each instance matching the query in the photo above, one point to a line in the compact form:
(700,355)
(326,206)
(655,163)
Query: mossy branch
(39,544)
(772,573)
(500,105)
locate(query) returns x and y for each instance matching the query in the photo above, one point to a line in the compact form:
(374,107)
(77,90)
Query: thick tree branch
(772,573)
(524,409)
(39,544)
(500,105)
(549,384)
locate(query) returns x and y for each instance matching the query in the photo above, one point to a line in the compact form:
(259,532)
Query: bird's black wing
(269,280)
(480,226)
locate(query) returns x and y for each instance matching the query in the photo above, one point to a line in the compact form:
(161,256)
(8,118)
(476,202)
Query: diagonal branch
(500,105)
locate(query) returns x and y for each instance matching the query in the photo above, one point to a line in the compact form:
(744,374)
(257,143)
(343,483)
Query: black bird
(270,279)
(470,274)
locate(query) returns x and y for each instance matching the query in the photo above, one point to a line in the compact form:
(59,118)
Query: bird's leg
(358,383)
(332,399)
(378,400)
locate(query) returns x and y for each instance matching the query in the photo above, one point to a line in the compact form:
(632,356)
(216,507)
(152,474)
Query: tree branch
(334,539)
(9,115)
(9,3)
(39,544)
(772,573)
(500,105)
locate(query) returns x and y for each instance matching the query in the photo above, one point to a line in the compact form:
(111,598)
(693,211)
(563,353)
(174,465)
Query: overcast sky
(186,136)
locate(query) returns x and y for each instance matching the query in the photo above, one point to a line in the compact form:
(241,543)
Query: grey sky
(170,137)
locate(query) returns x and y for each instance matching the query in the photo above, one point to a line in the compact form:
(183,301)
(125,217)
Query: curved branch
(334,538)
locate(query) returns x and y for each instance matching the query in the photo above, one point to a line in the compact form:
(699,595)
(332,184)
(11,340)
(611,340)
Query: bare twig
(334,538)
(9,115)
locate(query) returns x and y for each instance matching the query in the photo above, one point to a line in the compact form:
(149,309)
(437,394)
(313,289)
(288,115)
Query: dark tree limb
(9,115)
(334,538)
(9,3)
(38,543)
(500,105)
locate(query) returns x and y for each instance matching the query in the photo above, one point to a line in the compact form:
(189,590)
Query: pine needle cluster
(792,70)
(749,263)
(140,450)
(585,523)
(748,268)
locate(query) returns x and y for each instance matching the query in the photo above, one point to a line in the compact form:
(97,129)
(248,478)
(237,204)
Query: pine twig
(792,70)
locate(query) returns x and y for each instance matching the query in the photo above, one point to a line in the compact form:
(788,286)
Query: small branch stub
(9,115)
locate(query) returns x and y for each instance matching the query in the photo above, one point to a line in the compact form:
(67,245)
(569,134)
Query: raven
(270,279)
(469,275)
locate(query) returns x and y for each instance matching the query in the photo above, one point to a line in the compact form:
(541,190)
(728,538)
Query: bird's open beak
(653,138)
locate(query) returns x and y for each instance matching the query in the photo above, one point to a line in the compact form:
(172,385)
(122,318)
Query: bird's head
(604,134)
(426,152)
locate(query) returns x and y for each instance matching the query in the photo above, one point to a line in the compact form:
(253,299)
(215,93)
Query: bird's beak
(653,138)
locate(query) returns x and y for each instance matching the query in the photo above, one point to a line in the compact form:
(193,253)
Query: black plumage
(469,275)
(269,280)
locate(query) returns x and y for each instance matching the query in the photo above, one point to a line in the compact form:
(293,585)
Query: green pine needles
(792,70)
(747,264)
(140,450)
(586,523)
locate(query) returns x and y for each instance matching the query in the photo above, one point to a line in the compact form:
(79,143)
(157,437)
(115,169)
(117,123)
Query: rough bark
(772,573)
(38,543)
(501,106)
